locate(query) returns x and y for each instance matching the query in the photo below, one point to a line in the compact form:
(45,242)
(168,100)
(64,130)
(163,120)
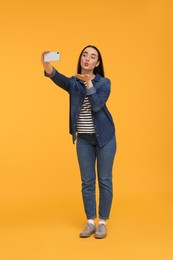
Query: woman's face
(89,59)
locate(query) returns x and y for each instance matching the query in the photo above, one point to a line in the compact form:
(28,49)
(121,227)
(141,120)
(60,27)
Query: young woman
(92,125)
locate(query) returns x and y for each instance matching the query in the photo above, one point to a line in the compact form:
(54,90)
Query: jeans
(88,151)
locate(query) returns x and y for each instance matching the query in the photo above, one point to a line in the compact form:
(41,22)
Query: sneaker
(101,231)
(88,231)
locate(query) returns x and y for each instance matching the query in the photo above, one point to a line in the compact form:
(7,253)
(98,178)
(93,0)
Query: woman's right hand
(48,68)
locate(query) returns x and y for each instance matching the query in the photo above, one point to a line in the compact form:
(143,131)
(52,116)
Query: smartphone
(52,56)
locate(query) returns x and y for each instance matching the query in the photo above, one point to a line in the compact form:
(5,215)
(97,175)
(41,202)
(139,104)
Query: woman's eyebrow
(93,54)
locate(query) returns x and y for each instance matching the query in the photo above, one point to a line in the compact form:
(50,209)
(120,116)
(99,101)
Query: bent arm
(99,97)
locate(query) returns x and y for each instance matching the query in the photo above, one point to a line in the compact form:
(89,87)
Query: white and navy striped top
(85,121)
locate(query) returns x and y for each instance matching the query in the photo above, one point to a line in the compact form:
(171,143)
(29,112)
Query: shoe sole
(100,237)
(85,236)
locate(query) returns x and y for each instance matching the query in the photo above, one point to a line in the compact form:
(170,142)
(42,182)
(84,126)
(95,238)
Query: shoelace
(100,228)
(88,227)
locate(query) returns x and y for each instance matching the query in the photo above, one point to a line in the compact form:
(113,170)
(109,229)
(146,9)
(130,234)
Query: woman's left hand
(84,77)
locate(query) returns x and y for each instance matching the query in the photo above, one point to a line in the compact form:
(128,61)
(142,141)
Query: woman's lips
(86,63)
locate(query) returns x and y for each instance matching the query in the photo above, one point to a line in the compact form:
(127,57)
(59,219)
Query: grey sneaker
(101,231)
(88,231)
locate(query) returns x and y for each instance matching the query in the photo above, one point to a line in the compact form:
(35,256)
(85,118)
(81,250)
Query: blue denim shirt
(97,94)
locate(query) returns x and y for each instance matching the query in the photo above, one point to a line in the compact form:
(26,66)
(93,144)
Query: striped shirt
(85,121)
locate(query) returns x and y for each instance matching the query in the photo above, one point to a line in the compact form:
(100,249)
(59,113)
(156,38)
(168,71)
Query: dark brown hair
(99,69)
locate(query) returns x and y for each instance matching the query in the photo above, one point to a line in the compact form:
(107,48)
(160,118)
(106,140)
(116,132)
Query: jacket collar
(97,77)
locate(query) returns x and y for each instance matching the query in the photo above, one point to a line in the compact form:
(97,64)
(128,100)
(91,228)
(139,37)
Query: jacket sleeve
(59,79)
(98,97)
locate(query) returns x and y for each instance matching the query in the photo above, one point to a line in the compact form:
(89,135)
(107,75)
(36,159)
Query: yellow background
(41,211)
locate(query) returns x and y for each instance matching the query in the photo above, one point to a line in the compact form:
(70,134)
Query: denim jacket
(98,95)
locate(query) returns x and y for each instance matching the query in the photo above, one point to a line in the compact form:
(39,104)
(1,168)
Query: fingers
(42,56)
(80,76)
(83,77)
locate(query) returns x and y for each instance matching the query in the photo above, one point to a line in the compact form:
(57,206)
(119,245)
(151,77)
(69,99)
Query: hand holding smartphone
(52,56)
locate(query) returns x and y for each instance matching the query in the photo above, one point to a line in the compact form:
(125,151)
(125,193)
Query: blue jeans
(88,151)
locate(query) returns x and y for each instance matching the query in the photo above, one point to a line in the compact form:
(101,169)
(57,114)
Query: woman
(92,125)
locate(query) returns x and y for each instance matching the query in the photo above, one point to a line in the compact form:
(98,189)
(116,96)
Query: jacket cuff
(50,75)
(90,91)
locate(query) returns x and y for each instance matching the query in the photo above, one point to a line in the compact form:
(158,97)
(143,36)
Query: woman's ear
(97,64)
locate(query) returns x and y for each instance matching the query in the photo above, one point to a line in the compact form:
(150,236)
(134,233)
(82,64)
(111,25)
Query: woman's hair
(99,69)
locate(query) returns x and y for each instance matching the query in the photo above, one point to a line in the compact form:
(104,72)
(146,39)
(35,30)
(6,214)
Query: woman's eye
(93,57)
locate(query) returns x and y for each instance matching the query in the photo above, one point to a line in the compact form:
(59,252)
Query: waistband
(86,134)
